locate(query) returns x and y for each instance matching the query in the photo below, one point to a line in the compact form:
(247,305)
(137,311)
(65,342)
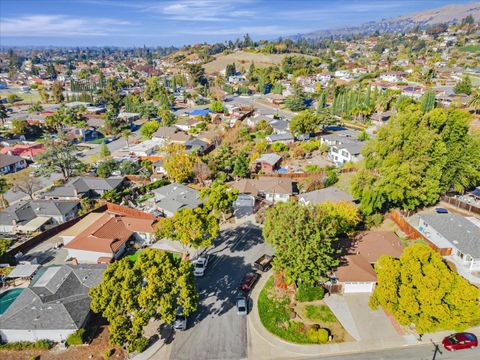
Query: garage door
(358,287)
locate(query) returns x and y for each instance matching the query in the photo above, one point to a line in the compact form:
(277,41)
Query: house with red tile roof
(26,151)
(103,237)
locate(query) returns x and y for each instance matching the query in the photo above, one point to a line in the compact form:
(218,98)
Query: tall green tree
(148,129)
(60,157)
(304,251)
(104,151)
(193,228)
(427,101)
(416,158)
(464,86)
(420,289)
(219,198)
(134,292)
(304,123)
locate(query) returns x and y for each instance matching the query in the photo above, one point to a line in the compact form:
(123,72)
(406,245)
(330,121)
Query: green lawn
(274,315)
(28,98)
(320,313)
(344,182)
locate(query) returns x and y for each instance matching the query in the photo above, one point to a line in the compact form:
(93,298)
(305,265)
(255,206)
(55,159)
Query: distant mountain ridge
(446,14)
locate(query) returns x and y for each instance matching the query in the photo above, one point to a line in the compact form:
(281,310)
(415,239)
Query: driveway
(216,331)
(361,322)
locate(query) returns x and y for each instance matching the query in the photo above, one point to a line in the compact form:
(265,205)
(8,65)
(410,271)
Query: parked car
(200,265)
(180,323)
(242,305)
(460,341)
(264,263)
(249,281)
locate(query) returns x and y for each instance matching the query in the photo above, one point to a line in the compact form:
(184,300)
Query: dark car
(248,281)
(460,341)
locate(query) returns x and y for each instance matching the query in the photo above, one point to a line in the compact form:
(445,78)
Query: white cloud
(203,10)
(59,26)
(269,30)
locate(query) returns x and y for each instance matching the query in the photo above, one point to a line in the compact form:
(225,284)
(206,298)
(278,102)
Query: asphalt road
(423,352)
(215,330)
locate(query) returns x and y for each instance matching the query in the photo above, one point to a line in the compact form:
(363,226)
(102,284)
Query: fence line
(461,204)
(414,234)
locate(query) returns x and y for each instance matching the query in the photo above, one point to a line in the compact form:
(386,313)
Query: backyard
(306,319)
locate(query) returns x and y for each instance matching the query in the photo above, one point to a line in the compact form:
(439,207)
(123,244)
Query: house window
(345,153)
(460,254)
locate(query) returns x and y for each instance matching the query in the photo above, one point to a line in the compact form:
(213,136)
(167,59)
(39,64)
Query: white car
(200,265)
(242,305)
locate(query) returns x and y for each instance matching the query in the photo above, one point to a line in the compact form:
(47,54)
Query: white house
(459,233)
(348,152)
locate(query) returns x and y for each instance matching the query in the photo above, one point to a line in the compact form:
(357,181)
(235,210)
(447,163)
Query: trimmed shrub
(76,338)
(107,353)
(309,293)
(138,345)
(319,336)
(24,345)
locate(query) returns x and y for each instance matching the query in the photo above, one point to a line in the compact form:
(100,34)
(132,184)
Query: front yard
(307,320)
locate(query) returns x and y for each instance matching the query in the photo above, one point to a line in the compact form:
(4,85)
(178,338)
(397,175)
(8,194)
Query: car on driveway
(460,341)
(180,321)
(200,265)
(242,305)
(249,281)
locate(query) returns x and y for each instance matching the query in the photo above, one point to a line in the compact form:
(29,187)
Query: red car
(248,281)
(460,341)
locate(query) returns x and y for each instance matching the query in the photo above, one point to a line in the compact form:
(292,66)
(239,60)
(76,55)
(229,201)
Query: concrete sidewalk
(264,345)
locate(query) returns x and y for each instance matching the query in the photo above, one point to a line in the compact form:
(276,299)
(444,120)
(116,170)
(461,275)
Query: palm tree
(4,186)
(126,134)
(3,113)
(475,102)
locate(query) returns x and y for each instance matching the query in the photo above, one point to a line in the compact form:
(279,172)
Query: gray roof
(164,132)
(20,212)
(459,231)
(81,185)
(353,148)
(24,211)
(271,159)
(280,137)
(328,194)
(53,207)
(7,160)
(57,299)
(174,197)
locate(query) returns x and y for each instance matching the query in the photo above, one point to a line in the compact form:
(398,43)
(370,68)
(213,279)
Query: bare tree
(25,183)
(201,171)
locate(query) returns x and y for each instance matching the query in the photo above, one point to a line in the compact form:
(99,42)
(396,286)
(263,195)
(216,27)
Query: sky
(134,23)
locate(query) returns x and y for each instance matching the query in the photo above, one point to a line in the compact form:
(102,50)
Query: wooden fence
(305,175)
(461,204)
(45,235)
(414,234)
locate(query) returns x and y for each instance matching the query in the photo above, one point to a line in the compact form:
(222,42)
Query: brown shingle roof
(355,269)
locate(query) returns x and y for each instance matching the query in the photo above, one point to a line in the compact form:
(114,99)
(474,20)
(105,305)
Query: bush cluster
(309,293)
(76,338)
(24,345)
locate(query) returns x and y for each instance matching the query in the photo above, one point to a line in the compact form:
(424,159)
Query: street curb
(350,347)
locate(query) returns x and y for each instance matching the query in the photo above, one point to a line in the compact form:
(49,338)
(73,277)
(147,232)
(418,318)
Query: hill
(244,59)
(447,14)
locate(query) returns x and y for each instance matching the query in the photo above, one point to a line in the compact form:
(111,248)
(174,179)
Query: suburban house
(458,233)
(268,163)
(347,152)
(85,186)
(272,189)
(53,306)
(27,152)
(11,163)
(329,194)
(174,197)
(285,138)
(356,273)
(102,237)
(31,216)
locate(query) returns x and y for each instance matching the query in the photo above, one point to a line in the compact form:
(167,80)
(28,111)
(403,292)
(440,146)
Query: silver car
(180,323)
(200,265)
(242,305)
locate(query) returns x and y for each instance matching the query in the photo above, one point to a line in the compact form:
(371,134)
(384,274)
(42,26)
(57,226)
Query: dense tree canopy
(194,228)
(219,198)
(420,289)
(303,238)
(178,164)
(133,292)
(416,158)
